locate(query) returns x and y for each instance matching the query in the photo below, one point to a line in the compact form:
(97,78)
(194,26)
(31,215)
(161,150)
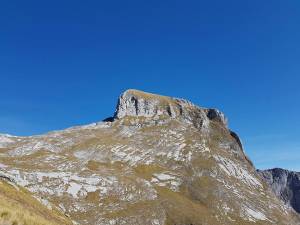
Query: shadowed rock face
(215,114)
(285,184)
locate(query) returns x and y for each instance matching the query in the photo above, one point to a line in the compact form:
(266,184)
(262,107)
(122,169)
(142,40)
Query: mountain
(285,184)
(157,161)
(17,206)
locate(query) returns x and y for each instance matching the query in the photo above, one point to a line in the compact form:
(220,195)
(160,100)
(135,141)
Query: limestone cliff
(285,184)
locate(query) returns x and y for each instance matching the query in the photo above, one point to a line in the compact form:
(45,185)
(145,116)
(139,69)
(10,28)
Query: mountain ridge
(158,161)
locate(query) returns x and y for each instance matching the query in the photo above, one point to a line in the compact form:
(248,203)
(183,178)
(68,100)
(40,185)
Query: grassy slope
(18,207)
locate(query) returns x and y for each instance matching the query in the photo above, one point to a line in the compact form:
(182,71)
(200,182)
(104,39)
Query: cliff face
(140,104)
(285,184)
(158,161)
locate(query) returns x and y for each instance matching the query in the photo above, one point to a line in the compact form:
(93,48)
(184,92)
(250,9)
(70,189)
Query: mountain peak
(138,103)
(160,160)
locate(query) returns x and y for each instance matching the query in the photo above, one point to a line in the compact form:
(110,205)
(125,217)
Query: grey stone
(138,103)
(285,184)
(215,114)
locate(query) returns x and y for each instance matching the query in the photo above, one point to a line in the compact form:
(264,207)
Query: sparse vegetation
(18,207)
(138,170)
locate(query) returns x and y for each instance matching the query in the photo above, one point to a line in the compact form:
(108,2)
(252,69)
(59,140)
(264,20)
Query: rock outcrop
(141,104)
(215,114)
(285,184)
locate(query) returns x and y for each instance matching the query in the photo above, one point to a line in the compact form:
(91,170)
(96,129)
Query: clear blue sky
(64,63)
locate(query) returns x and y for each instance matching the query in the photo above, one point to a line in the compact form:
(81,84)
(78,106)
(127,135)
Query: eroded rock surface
(285,184)
(158,161)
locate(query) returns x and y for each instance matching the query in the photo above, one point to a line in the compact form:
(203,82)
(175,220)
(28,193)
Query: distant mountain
(157,161)
(285,184)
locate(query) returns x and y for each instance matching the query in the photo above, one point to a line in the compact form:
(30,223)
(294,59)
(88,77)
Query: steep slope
(158,161)
(285,184)
(18,207)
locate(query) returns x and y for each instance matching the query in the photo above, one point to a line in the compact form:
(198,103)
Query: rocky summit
(157,161)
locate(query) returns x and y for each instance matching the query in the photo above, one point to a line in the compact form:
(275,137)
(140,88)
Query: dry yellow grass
(164,101)
(147,96)
(18,207)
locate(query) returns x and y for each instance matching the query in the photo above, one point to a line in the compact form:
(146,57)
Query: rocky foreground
(157,161)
